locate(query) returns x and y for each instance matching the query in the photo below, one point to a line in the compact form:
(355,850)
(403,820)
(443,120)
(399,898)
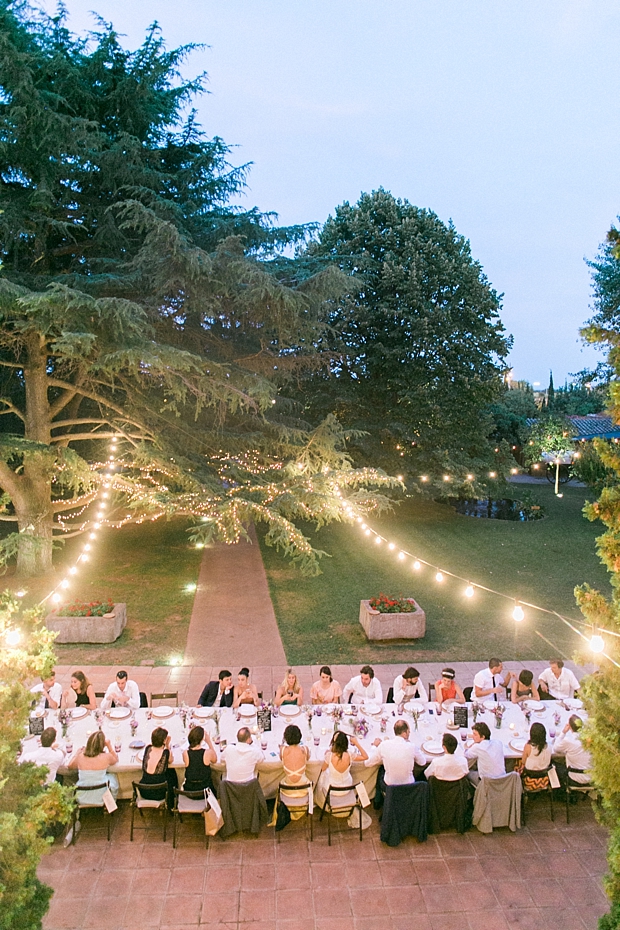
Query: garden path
(233,622)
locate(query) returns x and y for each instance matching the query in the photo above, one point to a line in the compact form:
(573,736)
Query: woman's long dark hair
(538,736)
(340,744)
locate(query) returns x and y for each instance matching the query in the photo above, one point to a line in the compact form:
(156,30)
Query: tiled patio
(546,876)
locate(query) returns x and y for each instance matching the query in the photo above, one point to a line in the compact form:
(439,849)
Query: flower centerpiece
(499,711)
(184,712)
(415,713)
(133,725)
(98,715)
(64,719)
(383,724)
(361,727)
(476,709)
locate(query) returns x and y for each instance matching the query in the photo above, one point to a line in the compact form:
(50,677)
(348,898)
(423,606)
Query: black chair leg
(133,810)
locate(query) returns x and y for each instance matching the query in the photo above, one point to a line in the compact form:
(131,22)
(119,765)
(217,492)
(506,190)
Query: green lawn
(147,566)
(540,562)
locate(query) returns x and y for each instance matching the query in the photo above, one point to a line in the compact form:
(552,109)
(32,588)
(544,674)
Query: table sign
(263,716)
(36,725)
(461,717)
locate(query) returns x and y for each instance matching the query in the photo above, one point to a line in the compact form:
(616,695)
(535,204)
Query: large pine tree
(135,302)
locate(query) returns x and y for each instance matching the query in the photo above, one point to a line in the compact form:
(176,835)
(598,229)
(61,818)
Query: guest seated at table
(156,768)
(123,692)
(487,753)
(557,682)
(49,692)
(241,760)
(294,756)
(488,682)
(363,688)
(47,754)
(325,690)
(408,687)
(197,760)
(290,691)
(523,688)
(452,766)
(218,693)
(80,694)
(336,769)
(244,692)
(536,756)
(446,689)
(92,762)
(577,764)
(398,756)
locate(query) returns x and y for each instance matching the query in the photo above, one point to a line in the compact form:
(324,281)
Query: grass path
(540,562)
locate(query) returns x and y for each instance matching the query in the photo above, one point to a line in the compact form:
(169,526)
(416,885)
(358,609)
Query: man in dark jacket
(218,693)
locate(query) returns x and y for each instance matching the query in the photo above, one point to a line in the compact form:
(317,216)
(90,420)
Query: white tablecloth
(430,727)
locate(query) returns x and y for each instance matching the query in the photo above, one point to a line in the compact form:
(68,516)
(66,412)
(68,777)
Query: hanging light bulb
(439,576)
(364,526)
(469,590)
(423,477)
(401,555)
(597,643)
(73,570)
(56,598)
(391,546)
(12,637)
(470,477)
(492,474)
(417,565)
(64,584)
(367,532)
(517,613)
(446,477)
(378,540)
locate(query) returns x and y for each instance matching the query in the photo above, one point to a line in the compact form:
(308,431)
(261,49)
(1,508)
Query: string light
(469,590)
(597,643)
(378,540)
(401,556)
(439,576)
(391,546)
(12,637)
(417,565)
(518,613)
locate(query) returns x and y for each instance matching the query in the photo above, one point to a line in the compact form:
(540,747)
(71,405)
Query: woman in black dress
(198,761)
(156,768)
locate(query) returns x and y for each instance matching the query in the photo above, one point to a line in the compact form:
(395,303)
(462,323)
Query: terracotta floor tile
(576,864)
(181,909)
(223,907)
(370,902)
(561,918)
(290,903)
(225,853)
(156,855)
(584,892)
(397,873)
(441,898)
(106,913)
(419,921)
(223,878)
(465,870)
(114,883)
(523,918)
(152,881)
(496,867)
(296,923)
(291,875)
(332,902)
(76,884)
(259,876)
(257,905)
(407,899)
(187,880)
(63,915)
(590,915)
(512,894)
(446,921)
(455,845)
(486,920)
(331,922)
(531,865)
(431,872)
(324,875)
(546,892)
(145,910)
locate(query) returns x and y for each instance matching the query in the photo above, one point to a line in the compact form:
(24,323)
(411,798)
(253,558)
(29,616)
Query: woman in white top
(336,769)
(536,753)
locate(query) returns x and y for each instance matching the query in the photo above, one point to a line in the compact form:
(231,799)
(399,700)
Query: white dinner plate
(327,708)
(163,711)
(450,703)
(289,710)
(78,712)
(452,726)
(119,712)
(490,705)
(535,705)
(573,703)
(518,744)
(203,713)
(247,710)
(371,708)
(137,744)
(433,747)
(415,705)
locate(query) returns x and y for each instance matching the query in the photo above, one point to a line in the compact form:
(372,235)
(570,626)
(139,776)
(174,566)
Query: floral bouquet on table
(184,713)
(98,715)
(499,711)
(64,719)
(415,713)
(361,728)
(556,718)
(383,724)
(337,712)
(133,725)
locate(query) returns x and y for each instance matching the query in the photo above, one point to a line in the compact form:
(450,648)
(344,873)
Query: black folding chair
(340,810)
(140,803)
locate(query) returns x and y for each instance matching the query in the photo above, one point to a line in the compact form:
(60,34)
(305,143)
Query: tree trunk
(35,519)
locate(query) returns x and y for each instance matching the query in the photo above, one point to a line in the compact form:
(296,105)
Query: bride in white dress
(336,771)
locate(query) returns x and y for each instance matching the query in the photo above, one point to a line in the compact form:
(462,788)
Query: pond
(503,509)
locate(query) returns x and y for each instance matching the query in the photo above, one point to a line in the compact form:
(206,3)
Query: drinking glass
(464,735)
(117,744)
(275,711)
(263,743)
(439,710)
(69,746)
(317,740)
(552,732)
(222,745)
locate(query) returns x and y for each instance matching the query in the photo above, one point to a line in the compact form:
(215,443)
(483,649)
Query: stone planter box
(89,629)
(392,626)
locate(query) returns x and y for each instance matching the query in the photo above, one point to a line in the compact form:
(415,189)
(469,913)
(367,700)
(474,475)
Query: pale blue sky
(500,115)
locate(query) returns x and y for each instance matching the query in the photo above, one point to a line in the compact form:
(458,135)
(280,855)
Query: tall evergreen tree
(418,344)
(134,301)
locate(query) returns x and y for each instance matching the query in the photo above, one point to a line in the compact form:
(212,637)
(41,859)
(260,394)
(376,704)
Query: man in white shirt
(122,693)
(408,687)
(47,754)
(487,753)
(569,745)
(557,682)
(241,760)
(49,691)
(398,756)
(453,765)
(488,682)
(363,688)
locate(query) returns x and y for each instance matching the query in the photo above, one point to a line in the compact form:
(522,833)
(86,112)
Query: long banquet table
(270,772)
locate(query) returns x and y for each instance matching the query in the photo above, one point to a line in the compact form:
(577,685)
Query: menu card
(461,717)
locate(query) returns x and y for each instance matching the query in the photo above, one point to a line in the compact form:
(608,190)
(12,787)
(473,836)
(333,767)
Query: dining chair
(168,696)
(467,693)
(140,803)
(100,695)
(543,786)
(187,802)
(349,801)
(83,804)
(296,799)
(431,690)
(390,696)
